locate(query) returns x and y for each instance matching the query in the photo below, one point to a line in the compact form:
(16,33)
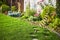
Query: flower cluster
(36,15)
(41,0)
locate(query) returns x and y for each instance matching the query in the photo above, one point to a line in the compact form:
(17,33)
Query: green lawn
(16,29)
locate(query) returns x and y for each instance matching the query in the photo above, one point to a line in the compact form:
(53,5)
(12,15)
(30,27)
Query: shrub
(5,8)
(30,18)
(32,12)
(55,23)
(13,8)
(28,13)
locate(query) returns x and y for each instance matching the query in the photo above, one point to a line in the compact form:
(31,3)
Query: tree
(58,8)
(5,8)
(0,3)
(3,2)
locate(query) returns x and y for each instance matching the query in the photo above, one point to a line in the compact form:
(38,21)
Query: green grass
(45,34)
(16,29)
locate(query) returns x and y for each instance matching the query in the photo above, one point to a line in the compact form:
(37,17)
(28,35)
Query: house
(34,4)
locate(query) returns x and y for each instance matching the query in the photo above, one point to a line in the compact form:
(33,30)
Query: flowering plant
(41,0)
(36,15)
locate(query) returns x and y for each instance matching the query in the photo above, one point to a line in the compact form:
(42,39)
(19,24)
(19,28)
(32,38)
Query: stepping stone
(35,39)
(35,28)
(33,36)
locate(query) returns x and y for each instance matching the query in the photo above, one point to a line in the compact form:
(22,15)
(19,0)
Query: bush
(28,13)
(30,18)
(55,23)
(13,8)
(32,12)
(5,8)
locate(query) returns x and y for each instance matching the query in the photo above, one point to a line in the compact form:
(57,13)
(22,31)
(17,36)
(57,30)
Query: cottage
(34,4)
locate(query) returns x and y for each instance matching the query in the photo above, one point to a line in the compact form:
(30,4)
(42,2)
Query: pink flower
(41,0)
(36,15)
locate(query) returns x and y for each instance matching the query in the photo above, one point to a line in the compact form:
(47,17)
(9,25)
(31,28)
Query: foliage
(55,23)
(32,12)
(13,8)
(0,3)
(3,2)
(30,18)
(5,8)
(28,13)
(47,10)
(58,8)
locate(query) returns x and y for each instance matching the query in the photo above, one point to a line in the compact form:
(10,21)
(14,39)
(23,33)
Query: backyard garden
(29,25)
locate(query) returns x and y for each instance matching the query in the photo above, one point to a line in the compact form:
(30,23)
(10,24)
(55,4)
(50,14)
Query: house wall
(36,4)
(26,3)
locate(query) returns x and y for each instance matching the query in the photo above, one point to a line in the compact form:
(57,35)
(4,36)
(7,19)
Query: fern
(47,10)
